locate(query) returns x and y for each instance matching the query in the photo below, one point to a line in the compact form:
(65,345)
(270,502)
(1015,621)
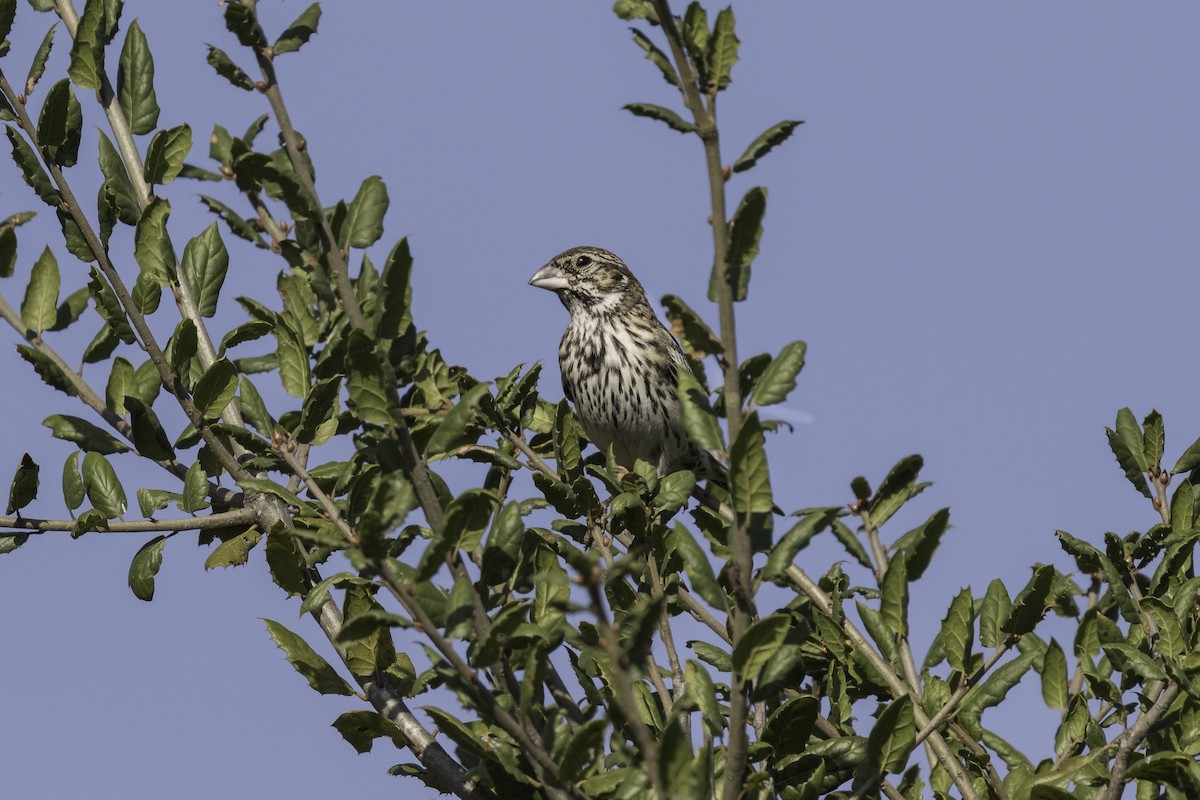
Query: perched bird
(619,363)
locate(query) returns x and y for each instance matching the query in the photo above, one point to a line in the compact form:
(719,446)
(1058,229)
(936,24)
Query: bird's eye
(583,261)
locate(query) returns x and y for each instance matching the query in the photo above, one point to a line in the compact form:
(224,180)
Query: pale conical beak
(551,278)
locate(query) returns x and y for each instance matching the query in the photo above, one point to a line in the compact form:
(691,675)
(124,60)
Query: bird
(620,364)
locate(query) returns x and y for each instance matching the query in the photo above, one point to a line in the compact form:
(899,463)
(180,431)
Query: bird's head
(590,279)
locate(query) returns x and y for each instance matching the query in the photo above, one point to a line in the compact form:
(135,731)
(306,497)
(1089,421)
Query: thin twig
(238,516)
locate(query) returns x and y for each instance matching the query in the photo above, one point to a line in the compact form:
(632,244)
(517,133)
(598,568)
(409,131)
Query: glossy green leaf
(117,184)
(87,49)
(1030,605)
(365,383)
(8,543)
(713,655)
(102,486)
(48,370)
(307,662)
(299,32)
(152,245)
(205,264)
(319,407)
(148,435)
(698,418)
(76,243)
(60,124)
(1130,460)
(996,686)
(749,475)
(921,542)
(8,251)
(722,49)
(394,310)
(1189,460)
(135,82)
(456,428)
(234,551)
(958,631)
(779,378)
(666,115)
(893,603)
(145,565)
(693,333)
(1054,676)
(656,57)
(767,141)
(83,433)
(893,737)
(241,22)
(897,488)
(38,67)
(293,365)
(146,294)
(8,12)
(223,64)
(745,232)
(216,388)
(24,487)
(994,612)
(696,565)
(1152,439)
(31,168)
(364,214)
(72,482)
(1087,558)
(783,554)
(759,643)
(361,728)
(166,153)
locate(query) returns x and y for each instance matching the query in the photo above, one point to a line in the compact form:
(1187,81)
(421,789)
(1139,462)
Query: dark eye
(583,261)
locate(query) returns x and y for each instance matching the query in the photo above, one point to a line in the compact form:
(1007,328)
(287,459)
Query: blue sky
(985,231)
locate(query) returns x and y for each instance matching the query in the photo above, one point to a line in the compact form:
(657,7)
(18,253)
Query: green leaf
(8,12)
(759,643)
(994,612)
(1031,603)
(698,418)
(319,407)
(650,111)
(586,744)
(1087,558)
(722,49)
(656,57)
(361,728)
(1189,460)
(167,151)
(893,601)
(897,488)
(1152,441)
(995,687)
(31,168)
(455,429)
(60,125)
(12,542)
(72,484)
(921,542)
(307,662)
(394,308)
(148,435)
(293,364)
(697,566)
(118,188)
(246,332)
(205,264)
(779,378)
(216,388)
(1129,659)
(77,245)
(713,655)
(1130,460)
(234,551)
(102,487)
(145,565)
(87,49)
(24,488)
(364,215)
(83,433)
(241,22)
(265,486)
(745,232)
(38,67)
(8,251)
(228,70)
(135,82)
(749,476)
(299,32)
(1054,676)
(695,335)
(767,141)
(783,554)
(958,631)
(365,383)
(153,250)
(195,489)
(893,736)
(48,370)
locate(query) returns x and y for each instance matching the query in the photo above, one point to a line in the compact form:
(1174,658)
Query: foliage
(548,608)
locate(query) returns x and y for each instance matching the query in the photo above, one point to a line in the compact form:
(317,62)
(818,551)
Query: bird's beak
(551,278)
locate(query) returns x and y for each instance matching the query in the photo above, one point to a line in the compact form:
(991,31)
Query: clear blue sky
(985,230)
